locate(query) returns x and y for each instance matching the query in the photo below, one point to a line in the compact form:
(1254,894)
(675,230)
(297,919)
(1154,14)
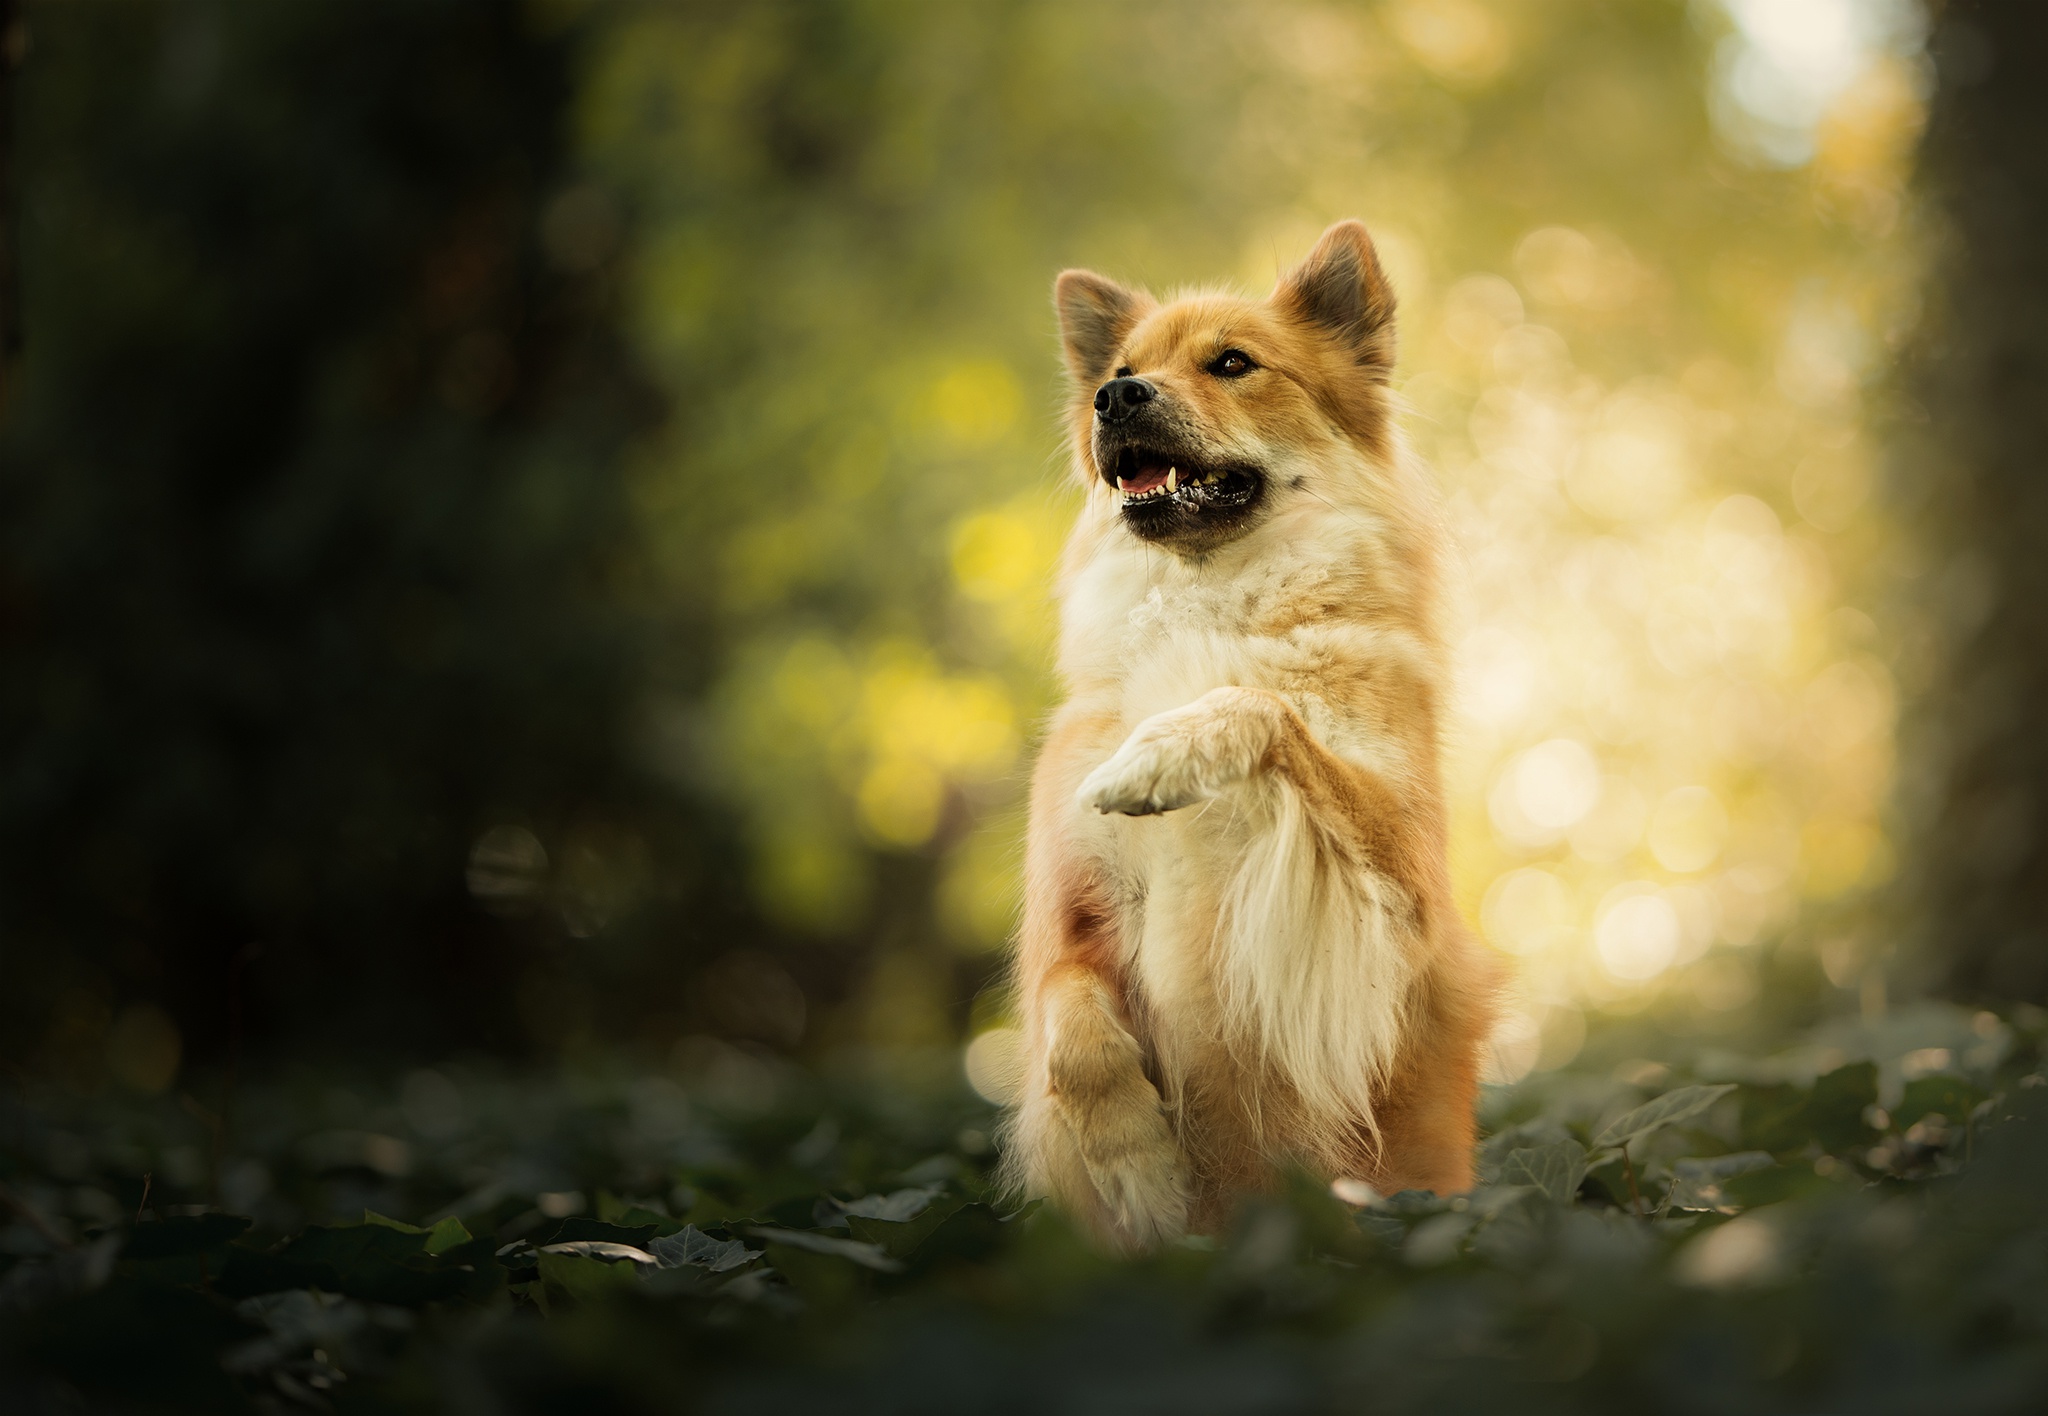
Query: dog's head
(1198,415)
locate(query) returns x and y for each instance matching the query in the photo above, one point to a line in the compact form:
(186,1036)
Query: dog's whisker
(1334,507)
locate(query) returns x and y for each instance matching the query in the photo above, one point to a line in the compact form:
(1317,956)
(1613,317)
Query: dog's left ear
(1095,315)
(1341,289)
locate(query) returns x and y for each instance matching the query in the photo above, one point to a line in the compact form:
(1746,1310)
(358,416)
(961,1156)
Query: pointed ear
(1095,315)
(1341,289)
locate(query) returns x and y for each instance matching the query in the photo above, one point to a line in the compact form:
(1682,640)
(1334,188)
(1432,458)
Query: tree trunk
(1973,479)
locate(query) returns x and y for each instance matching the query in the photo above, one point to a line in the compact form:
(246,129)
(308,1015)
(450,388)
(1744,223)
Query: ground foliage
(1852,1223)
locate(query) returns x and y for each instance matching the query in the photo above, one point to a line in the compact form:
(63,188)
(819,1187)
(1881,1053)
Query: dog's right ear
(1341,289)
(1095,315)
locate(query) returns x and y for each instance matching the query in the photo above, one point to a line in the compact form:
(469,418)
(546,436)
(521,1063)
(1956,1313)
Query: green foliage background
(556,504)
(523,609)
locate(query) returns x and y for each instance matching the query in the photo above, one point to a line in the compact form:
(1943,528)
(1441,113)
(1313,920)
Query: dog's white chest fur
(1241,929)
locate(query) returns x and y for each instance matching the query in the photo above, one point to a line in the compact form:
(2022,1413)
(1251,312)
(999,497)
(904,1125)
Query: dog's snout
(1119,398)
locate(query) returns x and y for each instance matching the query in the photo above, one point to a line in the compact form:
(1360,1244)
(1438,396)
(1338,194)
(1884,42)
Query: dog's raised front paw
(1177,758)
(1143,779)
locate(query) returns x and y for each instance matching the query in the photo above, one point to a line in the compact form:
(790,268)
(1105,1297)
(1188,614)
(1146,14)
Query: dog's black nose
(1119,398)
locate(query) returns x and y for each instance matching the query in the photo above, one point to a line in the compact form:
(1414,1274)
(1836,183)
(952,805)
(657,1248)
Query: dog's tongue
(1143,479)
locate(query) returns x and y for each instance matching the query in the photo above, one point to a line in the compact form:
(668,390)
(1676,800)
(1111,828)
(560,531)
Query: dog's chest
(1150,643)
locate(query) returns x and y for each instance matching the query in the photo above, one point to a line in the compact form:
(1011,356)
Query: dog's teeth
(1172,479)
(1123,486)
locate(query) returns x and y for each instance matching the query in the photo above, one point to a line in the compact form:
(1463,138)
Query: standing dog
(1239,949)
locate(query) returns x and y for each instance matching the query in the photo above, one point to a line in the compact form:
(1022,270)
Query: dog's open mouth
(1154,483)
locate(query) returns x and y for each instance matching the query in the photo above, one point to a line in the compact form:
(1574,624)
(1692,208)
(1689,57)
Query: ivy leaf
(691,1247)
(866,1255)
(1951,1096)
(1556,1169)
(372,1217)
(446,1235)
(1698,1181)
(580,1228)
(637,1217)
(613,1210)
(1680,1104)
(902,1238)
(1774,1117)
(1840,1101)
(897,1208)
(603,1250)
(377,1262)
(583,1278)
(180,1235)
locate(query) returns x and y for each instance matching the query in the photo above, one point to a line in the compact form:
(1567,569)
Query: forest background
(528,529)
(531,529)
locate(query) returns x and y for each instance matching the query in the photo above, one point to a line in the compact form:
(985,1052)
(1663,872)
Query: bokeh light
(1650,262)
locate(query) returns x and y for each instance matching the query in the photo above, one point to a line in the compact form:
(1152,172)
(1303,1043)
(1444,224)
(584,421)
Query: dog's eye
(1231,364)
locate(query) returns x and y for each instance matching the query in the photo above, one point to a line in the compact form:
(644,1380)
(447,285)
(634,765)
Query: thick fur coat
(1239,950)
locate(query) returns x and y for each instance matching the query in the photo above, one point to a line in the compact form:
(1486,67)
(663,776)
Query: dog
(1239,953)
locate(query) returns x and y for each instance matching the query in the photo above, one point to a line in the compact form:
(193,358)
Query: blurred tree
(315,545)
(13,42)
(359,604)
(1637,317)
(1973,483)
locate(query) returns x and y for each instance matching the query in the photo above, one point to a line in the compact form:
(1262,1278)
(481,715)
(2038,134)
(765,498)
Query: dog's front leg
(1108,1111)
(1185,755)
(1229,735)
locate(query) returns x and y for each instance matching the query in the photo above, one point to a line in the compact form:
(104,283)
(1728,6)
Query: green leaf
(613,1210)
(1835,1112)
(897,1208)
(1681,1104)
(1779,1183)
(1773,1118)
(866,1255)
(636,1217)
(1950,1096)
(1412,1204)
(945,1233)
(181,1235)
(1699,1182)
(446,1235)
(372,1217)
(585,1279)
(902,1238)
(579,1228)
(380,1263)
(1556,1169)
(603,1250)
(692,1247)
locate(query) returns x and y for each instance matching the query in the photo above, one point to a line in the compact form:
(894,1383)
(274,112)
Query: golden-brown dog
(1239,949)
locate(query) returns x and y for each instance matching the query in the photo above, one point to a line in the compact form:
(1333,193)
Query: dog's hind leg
(1090,1131)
